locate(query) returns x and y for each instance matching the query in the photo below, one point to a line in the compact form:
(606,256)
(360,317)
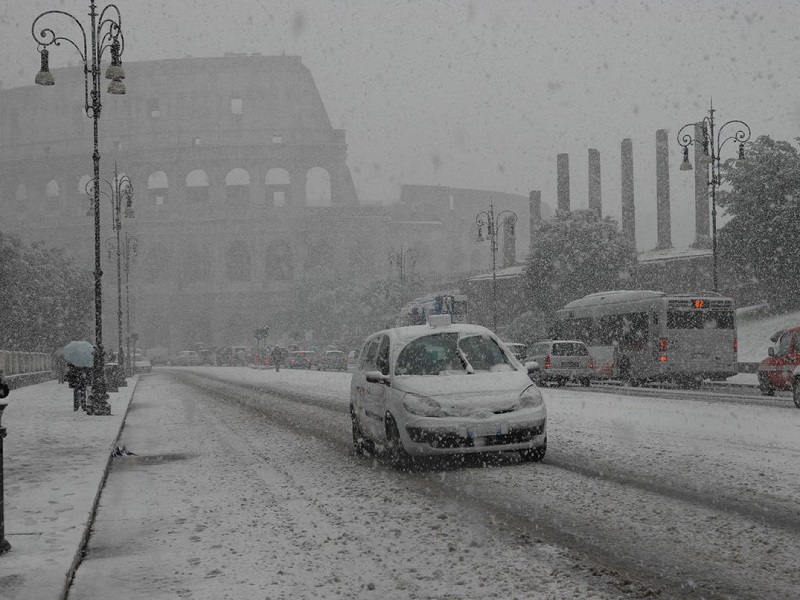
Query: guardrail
(26,368)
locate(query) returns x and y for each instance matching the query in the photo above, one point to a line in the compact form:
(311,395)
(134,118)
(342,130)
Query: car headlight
(422,406)
(530,398)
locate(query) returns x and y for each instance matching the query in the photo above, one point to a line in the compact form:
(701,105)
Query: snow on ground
(755,330)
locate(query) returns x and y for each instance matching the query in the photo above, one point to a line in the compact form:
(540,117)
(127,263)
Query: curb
(81,551)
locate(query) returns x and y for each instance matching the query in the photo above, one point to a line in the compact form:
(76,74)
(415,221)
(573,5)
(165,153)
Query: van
(561,361)
(775,371)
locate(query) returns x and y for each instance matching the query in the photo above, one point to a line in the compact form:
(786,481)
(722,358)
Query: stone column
(701,211)
(664,225)
(562,170)
(509,243)
(535,205)
(595,199)
(628,212)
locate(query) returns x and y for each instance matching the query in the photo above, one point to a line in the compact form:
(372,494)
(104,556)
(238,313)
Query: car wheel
(360,443)
(397,453)
(586,382)
(764,385)
(796,392)
(534,454)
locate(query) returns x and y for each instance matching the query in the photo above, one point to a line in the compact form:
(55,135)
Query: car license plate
(570,364)
(484,429)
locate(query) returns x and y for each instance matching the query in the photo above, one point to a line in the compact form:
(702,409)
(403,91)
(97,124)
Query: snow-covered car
(444,388)
(560,361)
(141,364)
(332,360)
(520,351)
(186,358)
(796,386)
(302,359)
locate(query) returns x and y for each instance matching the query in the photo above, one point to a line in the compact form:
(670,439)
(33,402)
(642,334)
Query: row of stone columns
(663,216)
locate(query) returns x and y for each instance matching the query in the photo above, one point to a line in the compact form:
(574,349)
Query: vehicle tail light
(662,347)
(735,345)
(591,365)
(547,361)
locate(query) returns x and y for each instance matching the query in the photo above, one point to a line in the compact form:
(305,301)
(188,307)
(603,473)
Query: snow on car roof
(411,332)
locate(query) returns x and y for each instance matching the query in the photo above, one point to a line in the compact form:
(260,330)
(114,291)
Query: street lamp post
(493,222)
(105,34)
(130,250)
(713,141)
(121,191)
(401,258)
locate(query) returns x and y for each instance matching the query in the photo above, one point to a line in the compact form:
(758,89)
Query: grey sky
(486,94)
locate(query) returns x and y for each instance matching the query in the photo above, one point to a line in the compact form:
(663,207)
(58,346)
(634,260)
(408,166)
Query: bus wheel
(796,392)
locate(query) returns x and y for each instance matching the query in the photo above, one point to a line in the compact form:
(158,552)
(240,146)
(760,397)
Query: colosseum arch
(279,184)
(197,186)
(158,188)
(157,263)
(237,186)
(318,187)
(238,262)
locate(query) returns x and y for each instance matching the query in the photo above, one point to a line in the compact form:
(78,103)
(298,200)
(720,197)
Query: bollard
(4,545)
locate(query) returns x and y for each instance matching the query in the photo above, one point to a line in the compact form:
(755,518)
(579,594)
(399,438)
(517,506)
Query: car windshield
(451,354)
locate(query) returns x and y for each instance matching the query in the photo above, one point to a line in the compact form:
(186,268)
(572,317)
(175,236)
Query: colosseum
(241,186)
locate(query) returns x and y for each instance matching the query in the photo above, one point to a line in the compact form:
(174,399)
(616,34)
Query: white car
(141,364)
(444,388)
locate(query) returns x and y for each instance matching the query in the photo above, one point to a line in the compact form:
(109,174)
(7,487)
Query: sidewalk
(55,461)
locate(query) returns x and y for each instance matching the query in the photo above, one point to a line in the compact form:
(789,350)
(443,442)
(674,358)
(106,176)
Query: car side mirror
(771,351)
(377,377)
(532,366)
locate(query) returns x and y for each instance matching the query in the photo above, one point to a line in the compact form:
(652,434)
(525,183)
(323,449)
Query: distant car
(332,360)
(520,351)
(560,361)
(444,388)
(776,371)
(302,359)
(186,358)
(141,364)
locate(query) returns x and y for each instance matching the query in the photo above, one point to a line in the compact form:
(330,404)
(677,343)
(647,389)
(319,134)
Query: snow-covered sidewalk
(55,461)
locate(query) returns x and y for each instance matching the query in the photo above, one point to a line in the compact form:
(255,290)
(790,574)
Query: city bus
(639,336)
(417,311)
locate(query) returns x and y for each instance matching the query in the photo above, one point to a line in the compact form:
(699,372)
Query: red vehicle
(302,359)
(775,371)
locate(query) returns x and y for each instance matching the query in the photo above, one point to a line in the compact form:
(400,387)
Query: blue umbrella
(79,354)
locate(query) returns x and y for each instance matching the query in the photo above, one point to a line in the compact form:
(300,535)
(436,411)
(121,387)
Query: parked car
(560,361)
(332,360)
(302,359)
(775,372)
(186,358)
(141,364)
(444,388)
(157,356)
(520,351)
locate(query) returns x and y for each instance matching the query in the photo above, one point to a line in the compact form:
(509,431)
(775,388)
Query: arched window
(157,263)
(237,186)
(195,263)
(197,186)
(278,184)
(52,191)
(279,260)
(158,188)
(238,262)
(318,187)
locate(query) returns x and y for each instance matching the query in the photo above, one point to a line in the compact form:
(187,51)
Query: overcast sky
(485,94)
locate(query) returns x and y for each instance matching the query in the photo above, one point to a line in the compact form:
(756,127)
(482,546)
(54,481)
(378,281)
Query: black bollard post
(4,545)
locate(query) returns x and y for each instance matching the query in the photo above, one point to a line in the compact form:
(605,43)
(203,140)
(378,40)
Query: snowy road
(245,486)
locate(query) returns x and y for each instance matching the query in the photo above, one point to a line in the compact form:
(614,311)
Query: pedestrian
(276,357)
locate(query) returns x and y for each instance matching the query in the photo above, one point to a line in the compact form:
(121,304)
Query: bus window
(711,319)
